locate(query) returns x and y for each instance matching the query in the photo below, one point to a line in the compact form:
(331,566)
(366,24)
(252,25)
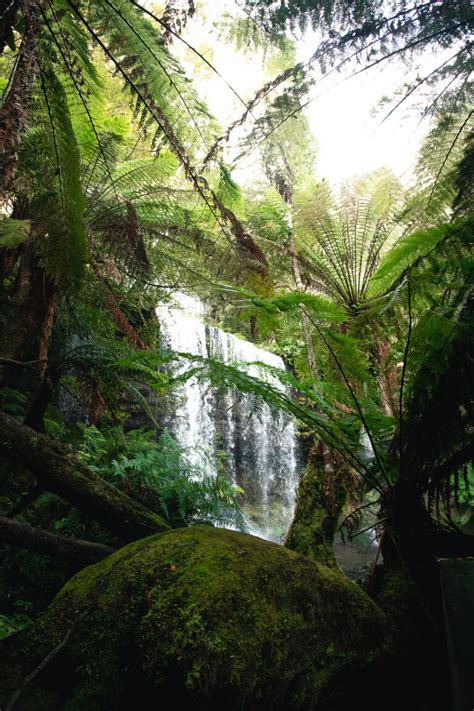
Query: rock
(212,619)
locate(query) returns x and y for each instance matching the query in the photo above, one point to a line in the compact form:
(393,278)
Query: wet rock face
(212,619)
(230,432)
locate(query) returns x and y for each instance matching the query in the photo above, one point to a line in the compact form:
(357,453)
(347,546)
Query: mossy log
(58,470)
(73,551)
(207,618)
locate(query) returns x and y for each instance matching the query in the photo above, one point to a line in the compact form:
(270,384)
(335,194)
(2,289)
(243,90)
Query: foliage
(13,232)
(367,292)
(17,621)
(158,473)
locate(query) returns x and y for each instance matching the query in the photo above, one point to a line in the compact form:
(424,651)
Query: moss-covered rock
(210,618)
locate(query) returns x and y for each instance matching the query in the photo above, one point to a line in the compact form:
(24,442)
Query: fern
(13,232)
(342,241)
(340,428)
(159,474)
(437,165)
(66,250)
(412,249)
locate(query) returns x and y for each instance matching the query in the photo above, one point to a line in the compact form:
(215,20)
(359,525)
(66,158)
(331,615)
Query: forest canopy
(123,190)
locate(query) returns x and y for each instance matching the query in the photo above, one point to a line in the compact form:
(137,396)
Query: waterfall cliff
(229,432)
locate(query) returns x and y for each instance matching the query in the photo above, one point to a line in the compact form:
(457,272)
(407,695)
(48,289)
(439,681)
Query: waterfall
(228,432)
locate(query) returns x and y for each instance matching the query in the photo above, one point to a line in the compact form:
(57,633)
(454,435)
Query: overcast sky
(350,138)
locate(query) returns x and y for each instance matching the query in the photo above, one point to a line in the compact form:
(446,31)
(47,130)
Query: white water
(229,432)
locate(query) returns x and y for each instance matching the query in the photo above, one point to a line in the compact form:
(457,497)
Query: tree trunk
(48,380)
(308,533)
(387,378)
(39,405)
(75,552)
(27,308)
(326,494)
(415,540)
(314,523)
(58,470)
(15,107)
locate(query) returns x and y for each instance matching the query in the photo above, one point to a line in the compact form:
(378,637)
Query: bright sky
(351,140)
(353,136)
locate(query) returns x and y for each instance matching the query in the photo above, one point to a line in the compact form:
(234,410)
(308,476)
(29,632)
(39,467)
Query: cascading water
(224,432)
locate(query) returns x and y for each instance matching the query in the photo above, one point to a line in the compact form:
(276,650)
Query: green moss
(312,530)
(215,618)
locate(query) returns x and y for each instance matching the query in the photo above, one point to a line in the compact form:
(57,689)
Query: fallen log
(76,552)
(56,467)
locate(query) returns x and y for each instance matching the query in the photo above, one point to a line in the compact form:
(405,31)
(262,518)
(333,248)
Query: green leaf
(13,232)
(66,251)
(404,255)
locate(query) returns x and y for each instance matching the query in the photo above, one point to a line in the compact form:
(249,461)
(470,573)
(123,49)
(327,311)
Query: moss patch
(211,618)
(312,529)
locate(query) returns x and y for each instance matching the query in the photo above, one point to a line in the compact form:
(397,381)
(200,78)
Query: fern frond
(341,241)
(13,232)
(66,251)
(413,249)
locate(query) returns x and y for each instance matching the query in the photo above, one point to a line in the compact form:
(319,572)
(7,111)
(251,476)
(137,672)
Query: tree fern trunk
(26,309)
(327,493)
(14,110)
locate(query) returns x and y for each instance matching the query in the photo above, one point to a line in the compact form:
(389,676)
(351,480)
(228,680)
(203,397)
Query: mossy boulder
(212,619)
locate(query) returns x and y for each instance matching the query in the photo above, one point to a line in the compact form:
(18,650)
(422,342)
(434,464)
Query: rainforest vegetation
(129,577)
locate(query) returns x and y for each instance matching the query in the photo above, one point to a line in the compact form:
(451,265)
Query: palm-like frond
(412,249)
(342,242)
(66,226)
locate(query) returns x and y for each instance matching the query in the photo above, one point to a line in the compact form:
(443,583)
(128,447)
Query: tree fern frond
(148,39)
(437,168)
(415,247)
(13,232)
(321,307)
(66,250)
(148,91)
(340,429)
(464,180)
(228,192)
(341,240)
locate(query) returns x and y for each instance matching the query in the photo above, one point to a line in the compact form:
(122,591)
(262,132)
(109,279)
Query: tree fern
(342,241)
(66,251)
